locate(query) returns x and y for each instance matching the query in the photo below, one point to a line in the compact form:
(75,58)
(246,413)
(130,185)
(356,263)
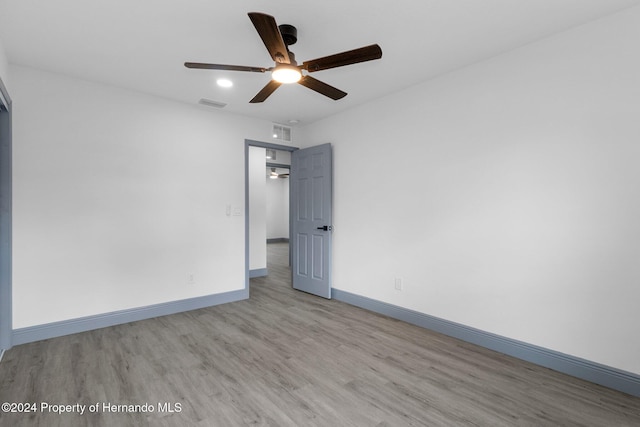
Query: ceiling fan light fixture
(224,83)
(286,73)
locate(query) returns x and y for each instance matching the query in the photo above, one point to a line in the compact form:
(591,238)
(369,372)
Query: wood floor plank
(286,358)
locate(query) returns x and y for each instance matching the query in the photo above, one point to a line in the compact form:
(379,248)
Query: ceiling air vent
(210,103)
(282,133)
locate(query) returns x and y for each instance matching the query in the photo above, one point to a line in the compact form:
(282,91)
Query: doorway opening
(310,216)
(277,208)
(265,224)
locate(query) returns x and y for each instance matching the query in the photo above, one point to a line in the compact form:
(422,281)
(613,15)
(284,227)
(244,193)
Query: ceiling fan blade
(266,91)
(224,67)
(270,34)
(349,57)
(323,88)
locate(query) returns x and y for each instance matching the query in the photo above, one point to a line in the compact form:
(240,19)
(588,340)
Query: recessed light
(224,82)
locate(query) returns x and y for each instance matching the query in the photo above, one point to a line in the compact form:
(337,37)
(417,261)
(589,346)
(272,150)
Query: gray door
(311,217)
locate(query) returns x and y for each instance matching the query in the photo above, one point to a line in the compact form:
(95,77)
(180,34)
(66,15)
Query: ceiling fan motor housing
(289,34)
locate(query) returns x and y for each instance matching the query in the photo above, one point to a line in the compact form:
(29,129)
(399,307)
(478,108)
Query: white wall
(282,157)
(277,208)
(506,194)
(118,196)
(257,209)
(4,66)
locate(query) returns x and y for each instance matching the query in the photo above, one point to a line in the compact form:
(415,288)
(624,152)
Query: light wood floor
(285,358)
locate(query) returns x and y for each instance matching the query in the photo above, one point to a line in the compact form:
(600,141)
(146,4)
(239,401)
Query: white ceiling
(142,44)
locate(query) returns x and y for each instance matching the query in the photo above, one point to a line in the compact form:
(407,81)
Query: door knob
(326,228)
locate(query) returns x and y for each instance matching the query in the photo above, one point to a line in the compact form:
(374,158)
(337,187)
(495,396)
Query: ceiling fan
(277,40)
(275,174)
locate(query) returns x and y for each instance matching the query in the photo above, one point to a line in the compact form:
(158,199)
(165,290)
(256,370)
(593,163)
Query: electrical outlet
(398,283)
(191,279)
